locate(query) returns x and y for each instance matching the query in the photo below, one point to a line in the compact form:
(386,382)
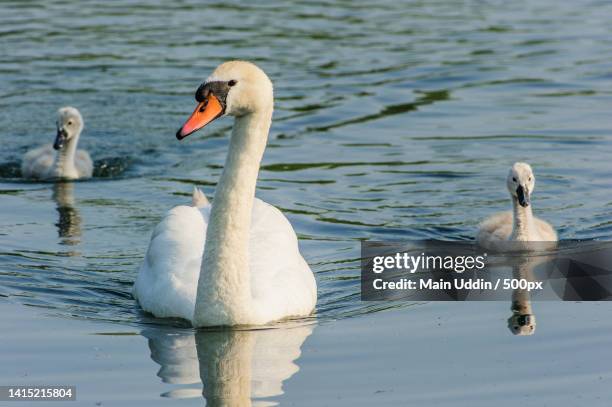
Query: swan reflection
(69,222)
(522,321)
(235,368)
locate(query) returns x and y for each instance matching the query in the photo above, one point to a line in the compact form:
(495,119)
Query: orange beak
(205,112)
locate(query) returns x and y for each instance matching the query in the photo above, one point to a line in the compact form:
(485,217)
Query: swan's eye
(232,83)
(514,179)
(529,178)
(69,122)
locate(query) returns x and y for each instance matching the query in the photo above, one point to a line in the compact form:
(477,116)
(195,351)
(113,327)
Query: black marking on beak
(60,139)
(523,196)
(218,88)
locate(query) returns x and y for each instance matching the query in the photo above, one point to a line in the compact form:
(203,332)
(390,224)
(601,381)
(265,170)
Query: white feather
(282,284)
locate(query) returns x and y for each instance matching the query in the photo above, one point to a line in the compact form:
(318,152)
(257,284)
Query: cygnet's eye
(232,83)
(529,178)
(69,122)
(514,179)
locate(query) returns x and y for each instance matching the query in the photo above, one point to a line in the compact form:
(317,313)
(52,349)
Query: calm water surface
(393,121)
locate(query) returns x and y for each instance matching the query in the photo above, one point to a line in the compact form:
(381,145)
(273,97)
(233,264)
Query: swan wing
(546,231)
(83,163)
(37,162)
(167,281)
(495,229)
(282,283)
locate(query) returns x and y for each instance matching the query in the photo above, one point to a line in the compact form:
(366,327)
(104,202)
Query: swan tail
(198,198)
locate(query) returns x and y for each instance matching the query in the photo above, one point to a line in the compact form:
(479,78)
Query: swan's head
(522,324)
(521,183)
(235,88)
(69,125)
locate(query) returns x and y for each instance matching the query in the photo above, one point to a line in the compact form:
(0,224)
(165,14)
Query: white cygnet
(518,225)
(61,159)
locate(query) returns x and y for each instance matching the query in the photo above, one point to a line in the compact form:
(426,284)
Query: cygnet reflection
(69,221)
(523,320)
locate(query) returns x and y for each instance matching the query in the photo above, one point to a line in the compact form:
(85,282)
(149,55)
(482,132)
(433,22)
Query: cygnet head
(69,126)
(235,88)
(521,183)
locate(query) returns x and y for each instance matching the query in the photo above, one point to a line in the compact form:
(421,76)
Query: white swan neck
(224,287)
(64,164)
(523,223)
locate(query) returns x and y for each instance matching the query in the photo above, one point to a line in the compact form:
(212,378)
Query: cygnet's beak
(208,110)
(60,138)
(523,324)
(522,194)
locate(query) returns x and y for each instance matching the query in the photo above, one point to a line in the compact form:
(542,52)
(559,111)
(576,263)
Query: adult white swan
(68,162)
(519,225)
(235,262)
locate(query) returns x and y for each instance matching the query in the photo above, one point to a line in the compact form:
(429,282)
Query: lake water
(393,121)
